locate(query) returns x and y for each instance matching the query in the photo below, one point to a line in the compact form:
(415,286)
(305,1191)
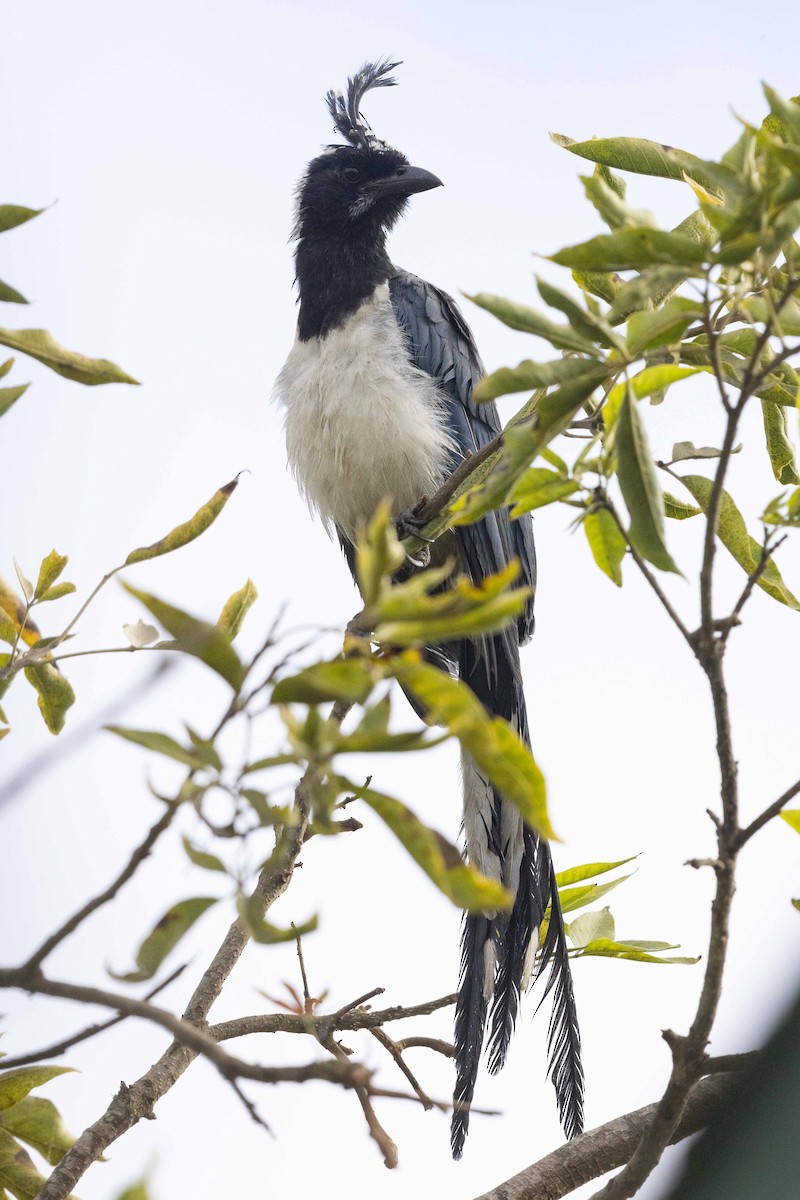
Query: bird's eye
(351,174)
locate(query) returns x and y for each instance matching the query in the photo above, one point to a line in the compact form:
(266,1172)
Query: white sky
(171,136)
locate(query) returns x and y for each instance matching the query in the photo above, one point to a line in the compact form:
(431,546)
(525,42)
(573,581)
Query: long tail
(498,949)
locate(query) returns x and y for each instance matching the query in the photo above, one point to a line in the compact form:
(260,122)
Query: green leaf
(437,857)
(656,379)
(528,376)
(638,155)
(137,1191)
(251,912)
(236,608)
(538,487)
(522,441)
(780,386)
(604,284)
(42,346)
(12,215)
(24,583)
(779,448)
(492,743)
(189,530)
(38,1122)
(646,291)
(55,697)
(610,204)
(732,532)
(787,114)
(165,936)
(348,679)
(10,295)
(640,487)
(608,948)
(49,571)
(584,322)
(679,510)
(205,749)
(606,542)
(274,760)
(632,249)
(589,871)
(58,591)
(9,396)
(378,554)
(528,320)
(662,327)
(407,615)
(17,1172)
(579,897)
(198,638)
(16,1083)
(160,743)
(590,926)
(792,818)
(200,858)
(683,451)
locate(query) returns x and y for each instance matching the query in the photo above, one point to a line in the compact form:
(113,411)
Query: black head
(347,200)
(361,187)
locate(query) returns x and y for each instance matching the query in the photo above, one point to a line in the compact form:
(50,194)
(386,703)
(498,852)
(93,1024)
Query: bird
(377,399)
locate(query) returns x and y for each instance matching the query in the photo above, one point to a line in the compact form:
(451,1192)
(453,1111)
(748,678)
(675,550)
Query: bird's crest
(345,110)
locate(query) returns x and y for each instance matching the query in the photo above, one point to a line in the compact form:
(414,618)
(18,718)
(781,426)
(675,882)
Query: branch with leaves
(712,302)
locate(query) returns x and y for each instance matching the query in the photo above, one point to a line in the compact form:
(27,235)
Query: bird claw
(410,522)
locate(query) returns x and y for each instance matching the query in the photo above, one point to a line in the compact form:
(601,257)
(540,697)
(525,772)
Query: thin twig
(349,1019)
(773,810)
(59,1048)
(385,1143)
(136,859)
(381,1036)
(427,1043)
(133,1103)
(649,576)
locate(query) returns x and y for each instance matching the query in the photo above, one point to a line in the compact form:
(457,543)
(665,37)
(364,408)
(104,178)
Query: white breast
(362,422)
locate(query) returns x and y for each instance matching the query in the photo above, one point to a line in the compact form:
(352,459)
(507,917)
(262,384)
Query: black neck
(335,275)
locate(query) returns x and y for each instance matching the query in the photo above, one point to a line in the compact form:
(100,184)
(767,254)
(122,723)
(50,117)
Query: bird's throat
(335,275)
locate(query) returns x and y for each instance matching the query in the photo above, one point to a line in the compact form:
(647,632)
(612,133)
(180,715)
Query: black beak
(405,182)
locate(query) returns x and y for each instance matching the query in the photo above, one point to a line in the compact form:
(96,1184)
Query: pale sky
(171,137)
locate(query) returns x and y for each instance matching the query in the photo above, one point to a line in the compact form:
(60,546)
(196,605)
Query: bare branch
(607,1147)
(351,1018)
(133,1103)
(59,1048)
(428,1043)
(136,859)
(397,1055)
(649,576)
(773,811)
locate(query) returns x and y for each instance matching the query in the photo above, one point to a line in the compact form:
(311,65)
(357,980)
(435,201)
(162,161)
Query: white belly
(361,421)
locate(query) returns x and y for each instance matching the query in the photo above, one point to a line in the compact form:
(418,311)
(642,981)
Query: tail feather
(563,1035)
(521,930)
(471,1009)
(497,949)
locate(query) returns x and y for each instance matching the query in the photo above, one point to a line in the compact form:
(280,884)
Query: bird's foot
(410,522)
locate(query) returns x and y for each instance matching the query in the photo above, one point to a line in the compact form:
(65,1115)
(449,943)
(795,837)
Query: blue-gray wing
(440,343)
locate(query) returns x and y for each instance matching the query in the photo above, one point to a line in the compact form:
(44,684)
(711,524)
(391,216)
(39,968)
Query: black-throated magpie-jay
(377,395)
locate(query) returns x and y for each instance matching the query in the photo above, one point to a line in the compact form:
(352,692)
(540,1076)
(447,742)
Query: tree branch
(133,1103)
(59,1048)
(139,855)
(773,811)
(607,1147)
